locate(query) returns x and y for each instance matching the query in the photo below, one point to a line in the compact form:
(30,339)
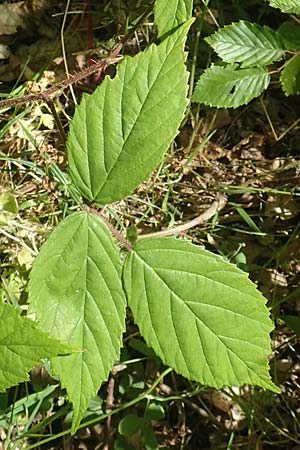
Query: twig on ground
(216,206)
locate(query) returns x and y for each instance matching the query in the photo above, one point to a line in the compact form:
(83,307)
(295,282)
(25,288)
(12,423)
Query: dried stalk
(216,206)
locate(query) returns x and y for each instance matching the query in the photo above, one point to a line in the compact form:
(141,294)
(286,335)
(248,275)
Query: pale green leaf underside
(119,133)
(248,44)
(287,6)
(169,14)
(22,346)
(76,292)
(228,87)
(290,77)
(200,314)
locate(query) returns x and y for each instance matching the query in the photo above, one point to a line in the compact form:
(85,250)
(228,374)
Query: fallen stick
(216,206)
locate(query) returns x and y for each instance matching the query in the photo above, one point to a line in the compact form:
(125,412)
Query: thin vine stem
(98,419)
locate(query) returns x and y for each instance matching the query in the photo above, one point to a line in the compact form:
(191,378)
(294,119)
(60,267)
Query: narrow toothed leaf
(290,77)
(247,43)
(229,87)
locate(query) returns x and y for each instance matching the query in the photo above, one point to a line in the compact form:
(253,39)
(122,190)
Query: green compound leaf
(229,87)
(169,14)
(287,6)
(119,133)
(200,314)
(290,77)
(22,346)
(248,44)
(76,293)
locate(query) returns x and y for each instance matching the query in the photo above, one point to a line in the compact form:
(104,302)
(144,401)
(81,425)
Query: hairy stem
(115,232)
